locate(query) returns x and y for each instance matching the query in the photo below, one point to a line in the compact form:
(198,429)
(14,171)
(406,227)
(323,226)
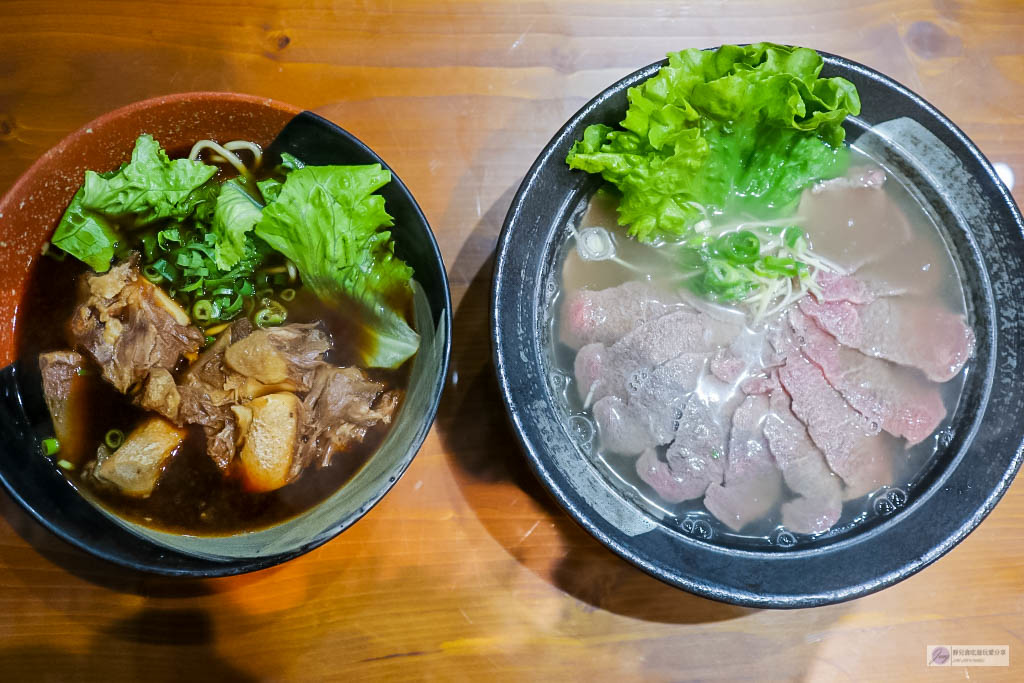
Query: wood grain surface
(466,570)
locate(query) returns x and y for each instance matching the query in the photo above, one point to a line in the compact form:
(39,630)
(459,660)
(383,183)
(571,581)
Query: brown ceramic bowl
(29,213)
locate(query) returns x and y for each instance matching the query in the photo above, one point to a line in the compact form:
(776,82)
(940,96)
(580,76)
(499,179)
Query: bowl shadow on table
(90,568)
(474,426)
(148,633)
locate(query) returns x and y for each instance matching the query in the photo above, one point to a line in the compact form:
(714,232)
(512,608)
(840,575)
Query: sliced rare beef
(836,428)
(621,427)
(900,399)
(834,287)
(904,330)
(726,366)
(818,504)
(130,326)
(695,460)
(340,408)
(753,483)
(608,315)
(650,371)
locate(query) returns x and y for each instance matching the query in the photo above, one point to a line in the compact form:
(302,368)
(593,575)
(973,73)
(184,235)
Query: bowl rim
(569,499)
(141,105)
(203,567)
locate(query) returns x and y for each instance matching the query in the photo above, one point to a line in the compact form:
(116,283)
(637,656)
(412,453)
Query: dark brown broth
(192,495)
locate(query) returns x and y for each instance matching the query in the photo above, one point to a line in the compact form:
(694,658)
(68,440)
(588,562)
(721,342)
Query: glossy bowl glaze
(984,229)
(29,213)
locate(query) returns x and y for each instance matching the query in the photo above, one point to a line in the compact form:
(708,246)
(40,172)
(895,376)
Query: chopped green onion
(114,438)
(51,447)
(722,276)
(792,236)
(65,464)
(739,247)
(209,339)
(165,238)
(774,265)
(273,313)
(202,311)
(152,274)
(287,294)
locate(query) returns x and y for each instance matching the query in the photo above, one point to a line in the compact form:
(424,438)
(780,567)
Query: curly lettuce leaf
(235,215)
(327,221)
(753,124)
(149,188)
(270,188)
(86,235)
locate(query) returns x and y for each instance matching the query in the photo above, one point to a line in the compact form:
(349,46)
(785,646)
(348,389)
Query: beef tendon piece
(130,326)
(160,394)
(270,439)
(280,355)
(340,408)
(216,382)
(135,467)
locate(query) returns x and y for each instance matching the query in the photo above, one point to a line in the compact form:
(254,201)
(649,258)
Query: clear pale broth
(904,251)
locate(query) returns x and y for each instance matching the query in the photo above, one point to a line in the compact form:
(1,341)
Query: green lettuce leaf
(149,188)
(86,235)
(270,188)
(236,213)
(327,221)
(753,125)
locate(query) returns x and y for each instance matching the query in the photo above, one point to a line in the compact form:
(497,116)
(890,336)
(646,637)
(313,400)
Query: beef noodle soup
(762,371)
(211,367)
(603,312)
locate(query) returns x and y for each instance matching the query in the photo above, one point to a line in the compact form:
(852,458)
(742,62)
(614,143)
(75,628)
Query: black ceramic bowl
(968,476)
(28,217)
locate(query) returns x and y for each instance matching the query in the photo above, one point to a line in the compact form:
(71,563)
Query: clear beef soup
(773,422)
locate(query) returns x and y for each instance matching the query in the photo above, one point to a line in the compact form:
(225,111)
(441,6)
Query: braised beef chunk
(130,326)
(342,405)
(277,355)
(59,370)
(267,401)
(206,402)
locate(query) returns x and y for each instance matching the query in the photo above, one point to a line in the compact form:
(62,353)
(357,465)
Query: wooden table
(467,570)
